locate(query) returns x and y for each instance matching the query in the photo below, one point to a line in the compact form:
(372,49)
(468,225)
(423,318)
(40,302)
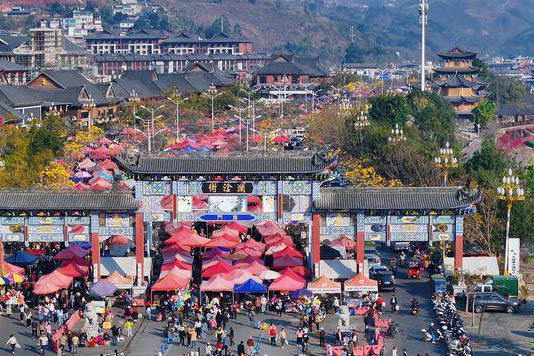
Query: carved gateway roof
(397,198)
(457,52)
(275,164)
(17,199)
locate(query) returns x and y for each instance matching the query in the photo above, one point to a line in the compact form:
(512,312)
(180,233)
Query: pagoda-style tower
(457,80)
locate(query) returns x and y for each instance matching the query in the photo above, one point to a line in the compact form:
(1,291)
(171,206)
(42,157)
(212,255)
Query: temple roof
(280,163)
(459,70)
(463,99)
(455,81)
(457,52)
(397,198)
(40,199)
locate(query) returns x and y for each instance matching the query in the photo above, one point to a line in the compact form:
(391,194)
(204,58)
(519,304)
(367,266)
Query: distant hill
(380,27)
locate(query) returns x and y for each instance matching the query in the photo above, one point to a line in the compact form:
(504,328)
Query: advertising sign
(513,256)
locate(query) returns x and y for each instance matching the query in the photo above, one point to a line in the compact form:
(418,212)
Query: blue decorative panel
(442,219)
(408,219)
(45,229)
(265,188)
(95,224)
(108,231)
(296,187)
(338,219)
(375,220)
(46,220)
(157,188)
(360,221)
(45,238)
(205,216)
(77,220)
(12,220)
(138,190)
(338,230)
(296,217)
(78,238)
(459,225)
(182,187)
(408,236)
(10,237)
(316,190)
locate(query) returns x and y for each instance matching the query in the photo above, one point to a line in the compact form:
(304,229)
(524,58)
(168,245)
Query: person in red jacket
(272,334)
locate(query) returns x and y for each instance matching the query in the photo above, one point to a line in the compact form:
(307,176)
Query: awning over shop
(324,285)
(360,283)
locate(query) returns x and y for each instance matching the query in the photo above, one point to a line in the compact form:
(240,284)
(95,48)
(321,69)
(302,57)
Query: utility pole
(352,34)
(423,17)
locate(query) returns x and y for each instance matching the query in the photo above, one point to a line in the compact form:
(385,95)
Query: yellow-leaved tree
(55,175)
(362,175)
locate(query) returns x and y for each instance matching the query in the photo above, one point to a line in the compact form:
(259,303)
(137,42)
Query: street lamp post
(151,123)
(362,122)
(134,100)
(284,82)
(88,105)
(446,161)
(176,100)
(240,117)
(510,191)
(423,19)
(212,93)
(396,135)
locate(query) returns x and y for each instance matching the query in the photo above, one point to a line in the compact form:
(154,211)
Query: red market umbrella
(221,242)
(120,240)
(73,270)
(81,186)
(108,164)
(281,139)
(238,227)
(170,282)
(176,263)
(286,283)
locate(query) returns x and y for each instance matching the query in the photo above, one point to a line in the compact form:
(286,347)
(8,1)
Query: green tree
(390,108)
(484,113)
(354,54)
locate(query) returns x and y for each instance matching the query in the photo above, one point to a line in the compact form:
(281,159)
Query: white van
(372,260)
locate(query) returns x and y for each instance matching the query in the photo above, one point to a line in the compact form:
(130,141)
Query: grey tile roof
(457,52)
(277,164)
(8,42)
(455,81)
(14,199)
(398,198)
(11,66)
(452,70)
(66,78)
(18,96)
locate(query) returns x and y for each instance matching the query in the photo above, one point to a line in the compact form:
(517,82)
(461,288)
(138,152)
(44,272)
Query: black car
(492,301)
(386,281)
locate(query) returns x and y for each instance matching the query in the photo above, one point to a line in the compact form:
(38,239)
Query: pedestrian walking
(335,304)
(241,349)
(226,344)
(148,312)
(283,337)
(193,338)
(322,336)
(394,303)
(43,343)
(252,317)
(272,334)
(13,343)
(231,336)
(278,307)
(128,325)
(75,344)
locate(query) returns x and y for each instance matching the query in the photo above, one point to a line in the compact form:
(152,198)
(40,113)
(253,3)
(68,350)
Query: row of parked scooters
(450,327)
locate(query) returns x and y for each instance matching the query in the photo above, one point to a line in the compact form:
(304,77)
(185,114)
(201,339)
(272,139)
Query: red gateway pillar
(360,242)
(95,254)
(316,238)
(459,243)
(140,248)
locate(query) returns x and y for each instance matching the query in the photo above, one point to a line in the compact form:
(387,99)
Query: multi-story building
(80,25)
(146,42)
(457,80)
(45,48)
(296,70)
(115,64)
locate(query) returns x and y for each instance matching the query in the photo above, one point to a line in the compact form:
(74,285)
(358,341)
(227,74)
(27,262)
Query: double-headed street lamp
(177,100)
(396,135)
(240,118)
(285,83)
(133,100)
(510,191)
(446,161)
(212,93)
(88,105)
(150,122)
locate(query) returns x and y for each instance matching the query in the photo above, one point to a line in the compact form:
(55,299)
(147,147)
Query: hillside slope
(382,27)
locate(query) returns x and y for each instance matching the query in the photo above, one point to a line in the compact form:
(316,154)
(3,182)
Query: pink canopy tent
(286,261)
(216,284)
(225,231)
(176,263)
(294,272)
(249,260)
(215,252)
(214,260)
(9,268)
(194,240)
(77,261)
(253,244)
(248,251)
(176,254)
(86,164)
(101,184)
(83,174)
(108,164)
(73,270)
(221,242)
(239,276)
(281,139)
(119,281)
(179,234)
(286,283)
(288,251)
(238,227)
(344,241)
(255,268)
(183,273)
(71,252)
(120,240)
(219,267)
(275,248)
(52,282)
(171,281)
(81,186)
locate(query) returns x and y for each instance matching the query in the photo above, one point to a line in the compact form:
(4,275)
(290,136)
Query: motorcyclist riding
(415,306)
(402,258)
